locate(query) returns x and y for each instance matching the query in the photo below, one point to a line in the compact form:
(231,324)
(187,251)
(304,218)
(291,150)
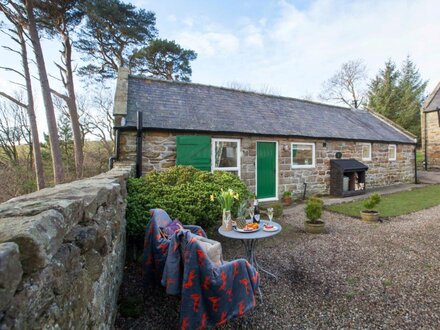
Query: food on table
(241,223)
(251,226)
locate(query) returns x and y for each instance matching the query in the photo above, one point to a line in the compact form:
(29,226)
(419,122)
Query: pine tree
(383,94)
(412,94)
(399,94)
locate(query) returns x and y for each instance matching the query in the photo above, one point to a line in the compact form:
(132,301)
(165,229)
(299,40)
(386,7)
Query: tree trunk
(71,105)
(35,146)
(57,162)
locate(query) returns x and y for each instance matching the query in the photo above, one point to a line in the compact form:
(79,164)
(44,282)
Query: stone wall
(62,253)
(433,138)
(160,153)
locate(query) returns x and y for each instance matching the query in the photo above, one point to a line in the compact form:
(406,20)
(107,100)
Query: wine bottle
(256,212)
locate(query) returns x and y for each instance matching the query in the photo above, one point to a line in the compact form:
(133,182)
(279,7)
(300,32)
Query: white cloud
(189,21)
(209,43)
(252,36)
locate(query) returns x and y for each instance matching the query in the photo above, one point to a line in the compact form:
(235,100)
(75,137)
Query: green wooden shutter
(194,151)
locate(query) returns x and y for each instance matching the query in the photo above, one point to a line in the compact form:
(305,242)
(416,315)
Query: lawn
(396,204)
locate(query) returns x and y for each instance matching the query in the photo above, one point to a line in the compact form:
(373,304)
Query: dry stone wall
(62,253)
(159,153)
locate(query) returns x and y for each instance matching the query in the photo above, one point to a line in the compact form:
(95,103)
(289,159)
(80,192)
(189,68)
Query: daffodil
(211,198)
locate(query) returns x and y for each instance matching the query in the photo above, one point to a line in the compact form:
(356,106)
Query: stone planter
(317,227)
(370,216)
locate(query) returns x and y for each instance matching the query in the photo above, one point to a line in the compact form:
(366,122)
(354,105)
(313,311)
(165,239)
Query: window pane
(225,154)
(365,151)
(302,154)
(392,152)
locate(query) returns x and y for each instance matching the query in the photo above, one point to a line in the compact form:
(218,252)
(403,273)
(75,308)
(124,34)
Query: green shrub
(277,209)
(287,194)
(184,193)
(371,202)
(314,209)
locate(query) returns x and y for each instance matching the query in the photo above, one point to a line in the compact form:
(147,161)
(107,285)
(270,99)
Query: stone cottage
(273,143)
(431,129)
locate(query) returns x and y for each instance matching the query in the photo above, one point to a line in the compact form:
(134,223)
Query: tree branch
(12,99)
(60,95)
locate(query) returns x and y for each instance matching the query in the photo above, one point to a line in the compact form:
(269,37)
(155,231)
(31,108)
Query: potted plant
(287,198)
(370,214)
(313,212)
(226,200)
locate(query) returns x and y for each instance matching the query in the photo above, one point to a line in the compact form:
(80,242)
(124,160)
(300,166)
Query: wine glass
(270,214)
(257,218)
(251,213)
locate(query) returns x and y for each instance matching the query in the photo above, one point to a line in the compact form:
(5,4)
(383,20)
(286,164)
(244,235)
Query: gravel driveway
(357,275)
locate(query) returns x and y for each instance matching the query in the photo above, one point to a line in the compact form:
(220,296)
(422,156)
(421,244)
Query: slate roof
(194,107)
(349,164)
(433,101)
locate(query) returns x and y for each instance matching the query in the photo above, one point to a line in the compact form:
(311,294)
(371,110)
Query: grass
(395,204)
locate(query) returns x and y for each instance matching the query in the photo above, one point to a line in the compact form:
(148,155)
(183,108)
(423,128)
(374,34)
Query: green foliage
(313,209)
(184,193)
(287,194)
(399,94)
(372,201)
(112,32)
(242,209)
(277,209)
(164,59)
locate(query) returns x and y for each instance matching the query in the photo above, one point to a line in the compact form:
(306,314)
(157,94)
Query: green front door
(266,169)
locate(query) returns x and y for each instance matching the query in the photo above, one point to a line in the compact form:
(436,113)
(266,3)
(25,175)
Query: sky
(288,46)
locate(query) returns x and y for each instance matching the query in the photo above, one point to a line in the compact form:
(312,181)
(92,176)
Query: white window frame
(395,152)
(214,168)
(294,166)
(362,151)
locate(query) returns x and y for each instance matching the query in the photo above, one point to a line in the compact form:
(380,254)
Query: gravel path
(357,275)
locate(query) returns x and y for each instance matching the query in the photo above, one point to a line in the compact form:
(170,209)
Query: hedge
(184,192)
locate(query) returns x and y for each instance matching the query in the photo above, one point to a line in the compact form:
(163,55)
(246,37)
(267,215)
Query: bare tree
(263,89)
(12,130)
(46,91)
(97,119)
(60,18)
(346,85)
(17,34)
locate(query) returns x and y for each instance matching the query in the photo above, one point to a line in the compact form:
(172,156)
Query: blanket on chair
(156,246)
(211,294)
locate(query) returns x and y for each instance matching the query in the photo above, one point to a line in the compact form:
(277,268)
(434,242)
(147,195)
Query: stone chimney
(121,94)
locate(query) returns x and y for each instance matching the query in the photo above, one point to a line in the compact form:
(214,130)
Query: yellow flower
(211,198)
(236,196)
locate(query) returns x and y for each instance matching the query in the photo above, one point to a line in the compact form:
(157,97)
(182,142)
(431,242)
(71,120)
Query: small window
(392,152)
(303,155)
(366,151)
(226,155)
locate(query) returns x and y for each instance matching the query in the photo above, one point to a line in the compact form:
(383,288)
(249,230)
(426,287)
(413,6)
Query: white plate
(275,228)
(246,231)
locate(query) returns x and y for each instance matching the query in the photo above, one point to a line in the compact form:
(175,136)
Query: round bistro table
(250,240)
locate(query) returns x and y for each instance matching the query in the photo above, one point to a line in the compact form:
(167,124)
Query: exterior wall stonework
(432,138)
(159,153)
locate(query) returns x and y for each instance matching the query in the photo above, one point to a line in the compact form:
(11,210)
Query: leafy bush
(371,202)
(183,192)
(277,209)
(287,194)
(314,209)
